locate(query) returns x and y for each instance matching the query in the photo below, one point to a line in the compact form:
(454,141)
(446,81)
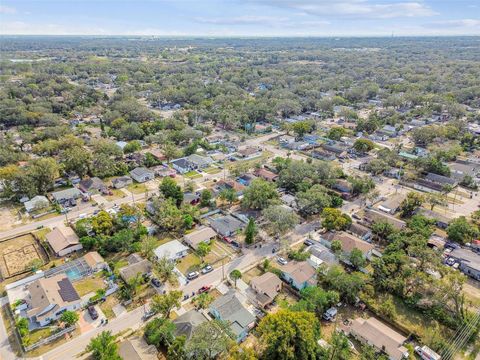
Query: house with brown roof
(299,274)
(266,175)
(348,242)
(373,216)
(95,261)
(136,265)
(204,234)
(249,152)
(63,241)
(265,288)
(137,349)
(49,297)
(383,338)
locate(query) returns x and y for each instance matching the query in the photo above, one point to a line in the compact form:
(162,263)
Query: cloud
(242,20)
(354,8)
(7,10)
(459,23)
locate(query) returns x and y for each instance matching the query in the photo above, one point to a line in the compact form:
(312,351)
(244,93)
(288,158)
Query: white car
(192,275)
(282,261)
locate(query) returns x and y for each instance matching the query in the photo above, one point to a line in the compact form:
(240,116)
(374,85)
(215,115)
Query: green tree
(302,127)
(171,190)
(335,133)
(203,249)
(336,246)
(317,300)
(339,347)
(382,230)
(206,198)
(163,268)
(363,145)
(229,195)
(235,275)
(132,147)
(387,307)
(176,350)
(164,303)
(209,340)
(77,160)
(461,231)
(411,203)
(148,244)
(357,259)
(167,215)
(102,223)
(159,332)
(334,219)
(69,317)
(259,195)
(370,353)
(171,151)
(280,219)
(250,231)
(288,335)
(203,300)
(313,200)
(103,347)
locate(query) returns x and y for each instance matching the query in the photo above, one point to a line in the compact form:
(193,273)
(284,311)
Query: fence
(49,339)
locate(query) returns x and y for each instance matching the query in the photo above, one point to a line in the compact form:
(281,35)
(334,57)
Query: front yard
(192,174)
(116,194)
(189,263)
(137,188)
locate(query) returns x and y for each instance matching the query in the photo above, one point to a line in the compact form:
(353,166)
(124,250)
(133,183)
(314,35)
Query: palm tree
(235,275)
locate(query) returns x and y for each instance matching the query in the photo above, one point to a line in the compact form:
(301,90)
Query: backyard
(89,284)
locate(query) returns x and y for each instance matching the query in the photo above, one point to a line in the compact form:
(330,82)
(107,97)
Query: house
(191,198)
(200,162)
(360,231)
(374,216)
(182,165)
(434,182)
(49,297)
(121,182)
(340,151)
(343,187)
(227,185)
(92,186)
(230,309)
(266,175)
(172,250)
(66,195)
(392,204)
(63,241)
(320,254)
(246,179)
(323,155)
(226,225)
(163,171)
(348,242)
(157,154)
(469,262)
(141,174)
(299,274)
(394,173)
(388,130)
(186,323)
(441,220)
(299,145)
(36,203)
(137,349)
(460,168)
(249,152)
(384,339)
(136,265)
(95,261)
(266,287)
(205,235)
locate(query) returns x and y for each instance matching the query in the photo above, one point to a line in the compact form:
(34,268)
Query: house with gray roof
(136,265)
(36,203)
(226,225)
(63,196)
(92,186)
(469,262)
(229,308)
(141,174)
(186,323)
(121,182)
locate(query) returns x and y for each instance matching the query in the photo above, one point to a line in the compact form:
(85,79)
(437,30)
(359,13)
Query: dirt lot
(9,216)
(17,253)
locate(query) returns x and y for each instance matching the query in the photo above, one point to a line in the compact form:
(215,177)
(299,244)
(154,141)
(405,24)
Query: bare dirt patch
(17,253)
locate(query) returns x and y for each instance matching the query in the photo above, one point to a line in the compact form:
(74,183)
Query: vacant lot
(17,254)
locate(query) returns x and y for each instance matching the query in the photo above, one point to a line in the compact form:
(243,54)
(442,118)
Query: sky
(241,17)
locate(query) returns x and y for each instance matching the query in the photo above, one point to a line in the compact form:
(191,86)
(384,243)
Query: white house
(172,250)
(49,297)
(36,203)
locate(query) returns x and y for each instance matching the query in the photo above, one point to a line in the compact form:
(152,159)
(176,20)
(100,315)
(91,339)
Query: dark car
(156,282)
(204,289)
(92,312)
(308,242)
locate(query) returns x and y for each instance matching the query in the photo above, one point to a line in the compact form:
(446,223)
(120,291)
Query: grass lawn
(137,188)
(192,175)
(60,341)
(212,170)
(116,194)
(41,233)
(188,263)
(88,285)
(250,274)
(108,305)
(39,334)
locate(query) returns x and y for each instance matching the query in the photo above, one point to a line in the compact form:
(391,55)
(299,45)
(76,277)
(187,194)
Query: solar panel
(67,291)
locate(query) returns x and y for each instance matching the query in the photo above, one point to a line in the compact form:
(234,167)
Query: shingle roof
(267,283)
(187,323)
(299,271)
(61,238)
(231,310)
(130,271)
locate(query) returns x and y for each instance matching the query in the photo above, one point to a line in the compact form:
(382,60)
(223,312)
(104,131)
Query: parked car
(204,289)
(148,315)
(92,312)
(207,269)
(282,261)
(156,282)
(308,242)
(192,275)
